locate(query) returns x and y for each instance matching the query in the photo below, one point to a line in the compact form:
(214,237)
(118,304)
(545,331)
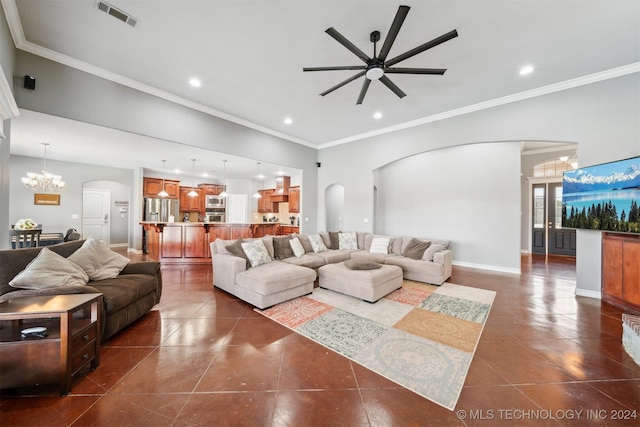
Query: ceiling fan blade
(393,31)
(428,45)
(339,85)
(346,43)
(363,91)
(439,71)
(346,67)
(395,89)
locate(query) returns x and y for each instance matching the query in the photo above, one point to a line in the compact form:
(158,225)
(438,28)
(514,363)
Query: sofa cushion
(235,249)
(347,241)
(326,239)
(257,252)
(282,248)
(296,247)
(306,243)
(415,265)
(365,255)
(354,264)
(307,260)
(334,240)
(274,277)
(415,248)
(431,250)
(380,245)
(48,270)
(98,261)
(317,243)
(332,256)
(122,291)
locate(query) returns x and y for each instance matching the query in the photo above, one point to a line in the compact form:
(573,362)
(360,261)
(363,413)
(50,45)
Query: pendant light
(45,181)
(193,192)
(224,192)
(163,193)
(257,194)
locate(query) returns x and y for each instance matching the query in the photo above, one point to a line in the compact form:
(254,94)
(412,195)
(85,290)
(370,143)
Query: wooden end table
(72,341)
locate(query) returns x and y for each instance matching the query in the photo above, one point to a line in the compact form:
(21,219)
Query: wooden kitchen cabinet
(152,186)
(261,230)
(621,270)
(265,204)
(188,203)
(285,230)
(211,189)
(294,199)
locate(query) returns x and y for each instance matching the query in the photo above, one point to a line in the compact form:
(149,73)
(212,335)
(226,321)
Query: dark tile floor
(202,357)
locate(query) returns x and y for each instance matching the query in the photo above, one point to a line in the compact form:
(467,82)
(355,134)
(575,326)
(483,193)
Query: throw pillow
(49,270)
(257,252)
(317,244)
(282,248)
(334,240)
(98,260)
(415,248)
(296,247)
(235,249)
(306,244)
(380,245)
(348,241)
(428,254)
(353,264)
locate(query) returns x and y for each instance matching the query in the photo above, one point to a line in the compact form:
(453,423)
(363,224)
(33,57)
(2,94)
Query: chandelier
(45,181)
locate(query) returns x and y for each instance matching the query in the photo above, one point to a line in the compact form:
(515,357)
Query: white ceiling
(249,56)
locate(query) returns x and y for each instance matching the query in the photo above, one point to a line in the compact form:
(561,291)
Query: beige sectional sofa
(282,276)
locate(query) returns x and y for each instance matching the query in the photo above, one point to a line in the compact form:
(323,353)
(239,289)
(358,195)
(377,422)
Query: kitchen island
(187,242)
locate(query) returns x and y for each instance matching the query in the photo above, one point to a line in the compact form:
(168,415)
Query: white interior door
(95,214)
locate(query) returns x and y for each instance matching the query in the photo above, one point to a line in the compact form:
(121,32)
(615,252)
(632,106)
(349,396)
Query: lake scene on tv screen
(603,197)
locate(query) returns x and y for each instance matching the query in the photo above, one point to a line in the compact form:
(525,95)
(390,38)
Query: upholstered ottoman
(369,285)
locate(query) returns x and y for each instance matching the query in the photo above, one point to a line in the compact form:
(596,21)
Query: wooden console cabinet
(73,339)
(621,270)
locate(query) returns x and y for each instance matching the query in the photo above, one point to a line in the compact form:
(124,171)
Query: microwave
(212,202)
(215,217)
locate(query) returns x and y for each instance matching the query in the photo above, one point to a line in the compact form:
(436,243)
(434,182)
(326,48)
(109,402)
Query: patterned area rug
(421,337)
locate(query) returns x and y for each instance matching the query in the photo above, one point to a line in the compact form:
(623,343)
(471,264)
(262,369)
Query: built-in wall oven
(215,217)
(214,202)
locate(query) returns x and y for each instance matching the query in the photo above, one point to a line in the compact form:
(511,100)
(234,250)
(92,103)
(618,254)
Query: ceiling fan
(377,67)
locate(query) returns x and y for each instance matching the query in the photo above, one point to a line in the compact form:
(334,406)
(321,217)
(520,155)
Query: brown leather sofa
(126,298)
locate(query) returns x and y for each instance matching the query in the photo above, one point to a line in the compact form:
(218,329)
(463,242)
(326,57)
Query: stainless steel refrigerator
(157,209)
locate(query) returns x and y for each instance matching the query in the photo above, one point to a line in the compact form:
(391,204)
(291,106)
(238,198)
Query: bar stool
(24,238)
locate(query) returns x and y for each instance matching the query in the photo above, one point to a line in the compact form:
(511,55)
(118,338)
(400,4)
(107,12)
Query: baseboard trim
(487,267)
(589,294)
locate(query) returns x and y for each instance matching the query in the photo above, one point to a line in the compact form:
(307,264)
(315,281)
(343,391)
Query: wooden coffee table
(72,339)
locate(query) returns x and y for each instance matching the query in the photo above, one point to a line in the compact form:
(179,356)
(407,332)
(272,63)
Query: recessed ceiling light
(287,120)
(194,82)
(377,115)
(205,175)
(527,69)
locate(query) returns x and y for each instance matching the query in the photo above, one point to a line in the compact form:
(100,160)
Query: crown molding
(17,33)
(544,90)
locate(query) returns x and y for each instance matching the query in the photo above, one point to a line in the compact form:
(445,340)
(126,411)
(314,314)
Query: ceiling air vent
(117,13)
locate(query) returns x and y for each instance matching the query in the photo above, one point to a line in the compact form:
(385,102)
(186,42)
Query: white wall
(57,219)
(603,118)
(469,195)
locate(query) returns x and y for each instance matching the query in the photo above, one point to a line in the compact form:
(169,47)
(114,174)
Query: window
(551,168)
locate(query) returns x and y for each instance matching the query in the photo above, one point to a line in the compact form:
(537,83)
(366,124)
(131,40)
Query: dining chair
(24,238)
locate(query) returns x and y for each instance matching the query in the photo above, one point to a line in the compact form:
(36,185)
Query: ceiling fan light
(375,73)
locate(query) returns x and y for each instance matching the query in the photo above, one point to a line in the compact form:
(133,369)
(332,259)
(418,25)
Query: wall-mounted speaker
(29,82)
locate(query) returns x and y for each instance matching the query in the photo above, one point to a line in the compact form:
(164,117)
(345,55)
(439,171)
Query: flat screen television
(603,197)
